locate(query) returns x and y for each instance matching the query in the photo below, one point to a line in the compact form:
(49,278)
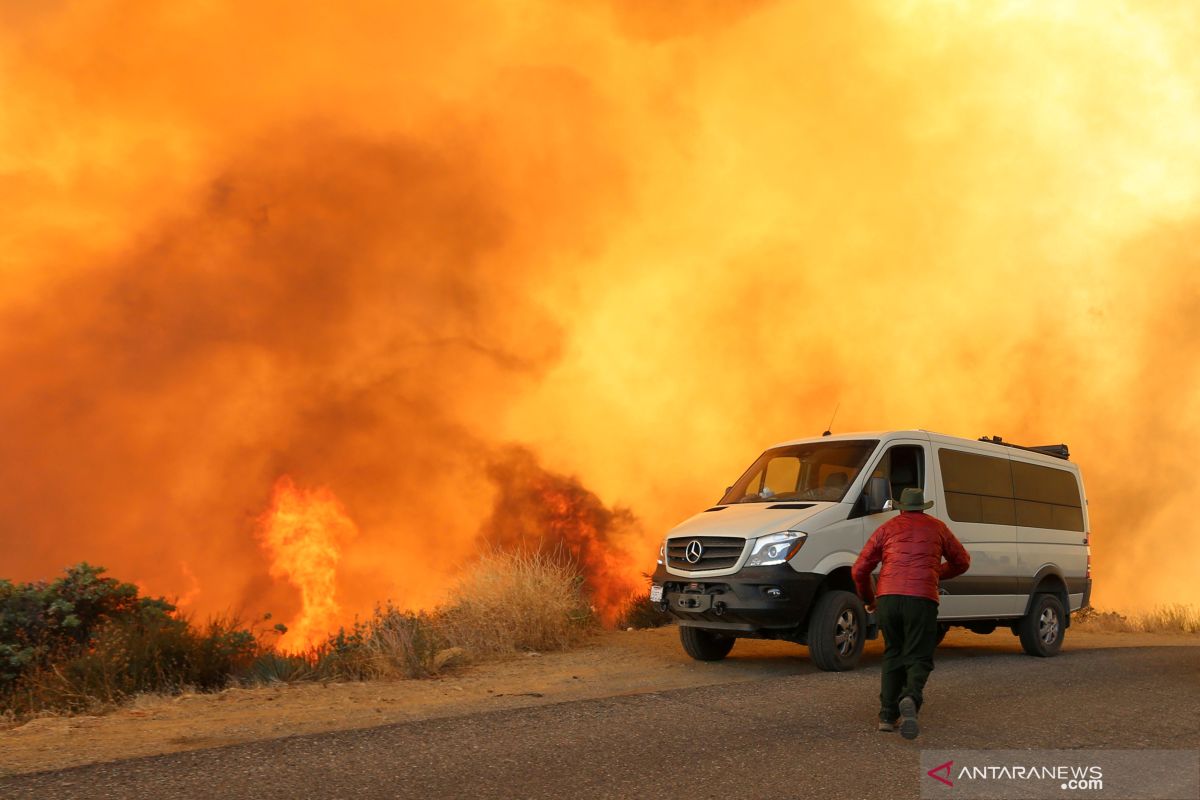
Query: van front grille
(716,552)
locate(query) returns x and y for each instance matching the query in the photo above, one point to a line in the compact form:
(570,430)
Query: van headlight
(775,549)
(662,552)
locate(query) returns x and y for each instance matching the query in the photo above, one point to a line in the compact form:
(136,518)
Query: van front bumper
(754,599)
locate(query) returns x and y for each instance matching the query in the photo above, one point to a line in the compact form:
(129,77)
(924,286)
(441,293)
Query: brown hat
(913,500)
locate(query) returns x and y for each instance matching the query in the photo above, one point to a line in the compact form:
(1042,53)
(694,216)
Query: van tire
(836,631)
(705,645)
(1042,629)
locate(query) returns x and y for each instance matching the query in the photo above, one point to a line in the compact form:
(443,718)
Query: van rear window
(995,490)
(1046,497)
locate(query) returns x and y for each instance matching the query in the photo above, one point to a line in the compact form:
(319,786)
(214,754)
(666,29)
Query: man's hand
(869,608)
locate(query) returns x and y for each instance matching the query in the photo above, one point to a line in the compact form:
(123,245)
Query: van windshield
(816,471)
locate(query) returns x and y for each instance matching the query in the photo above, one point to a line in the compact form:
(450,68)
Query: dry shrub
(1177,618)
(509,602)
(406,644)
(503,604)
(1089,619)
(391,644)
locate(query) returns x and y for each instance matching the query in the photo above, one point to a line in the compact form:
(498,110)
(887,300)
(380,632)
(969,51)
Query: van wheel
(1042,629)
(836,631)
(704,645)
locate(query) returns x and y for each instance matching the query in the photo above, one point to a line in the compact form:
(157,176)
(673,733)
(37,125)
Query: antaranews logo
(945,769)
(1118,774)
(1067,776)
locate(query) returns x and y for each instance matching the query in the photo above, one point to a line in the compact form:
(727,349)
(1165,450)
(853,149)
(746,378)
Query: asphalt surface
(810,734)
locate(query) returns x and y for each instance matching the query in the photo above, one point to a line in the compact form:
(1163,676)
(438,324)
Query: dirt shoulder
(613,663)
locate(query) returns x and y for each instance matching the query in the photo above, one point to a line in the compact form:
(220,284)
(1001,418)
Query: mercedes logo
(693,551)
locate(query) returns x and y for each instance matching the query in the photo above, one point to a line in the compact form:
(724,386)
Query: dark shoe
(886,727)
(908,718)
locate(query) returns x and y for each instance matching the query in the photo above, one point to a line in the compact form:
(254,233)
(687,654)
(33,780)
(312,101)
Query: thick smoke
(337,310)
(366,248)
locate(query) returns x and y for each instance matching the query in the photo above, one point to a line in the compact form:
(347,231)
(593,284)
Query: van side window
(978,488)
(983,488)
(1047,497)
(904,467)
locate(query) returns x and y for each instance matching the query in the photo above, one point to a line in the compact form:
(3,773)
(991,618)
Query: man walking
(911,547)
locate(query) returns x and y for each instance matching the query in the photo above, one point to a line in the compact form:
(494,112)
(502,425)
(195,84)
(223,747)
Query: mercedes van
(772,559)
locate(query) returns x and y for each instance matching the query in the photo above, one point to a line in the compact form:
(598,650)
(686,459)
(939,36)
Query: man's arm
(868,559)
(957,557)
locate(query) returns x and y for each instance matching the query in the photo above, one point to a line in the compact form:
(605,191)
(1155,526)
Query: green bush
(86,639)
(42,621)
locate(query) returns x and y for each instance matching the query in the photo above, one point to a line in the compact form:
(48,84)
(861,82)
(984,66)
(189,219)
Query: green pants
(909,627)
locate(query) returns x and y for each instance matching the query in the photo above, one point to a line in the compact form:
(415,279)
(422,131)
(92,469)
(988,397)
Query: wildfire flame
(303,534)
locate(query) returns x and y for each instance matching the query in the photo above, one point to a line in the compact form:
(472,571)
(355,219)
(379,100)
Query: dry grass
(504,604)
(1177,618)
(391,644)
(511,602)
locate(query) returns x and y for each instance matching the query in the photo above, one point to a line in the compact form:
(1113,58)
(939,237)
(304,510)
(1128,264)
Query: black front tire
(1043,628)
(705,645)
(836,631)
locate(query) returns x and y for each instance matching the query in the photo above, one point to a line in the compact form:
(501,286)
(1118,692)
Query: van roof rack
(1056,450)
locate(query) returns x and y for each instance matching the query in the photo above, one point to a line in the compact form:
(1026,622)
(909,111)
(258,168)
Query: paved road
(804,735)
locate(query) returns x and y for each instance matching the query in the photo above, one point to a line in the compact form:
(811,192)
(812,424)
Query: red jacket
(911,547)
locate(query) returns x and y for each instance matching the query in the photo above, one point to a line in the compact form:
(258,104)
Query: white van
(772,559)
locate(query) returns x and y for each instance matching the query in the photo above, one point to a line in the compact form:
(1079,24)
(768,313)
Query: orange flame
(303,534)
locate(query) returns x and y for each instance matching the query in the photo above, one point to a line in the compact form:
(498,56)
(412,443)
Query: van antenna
(829,427)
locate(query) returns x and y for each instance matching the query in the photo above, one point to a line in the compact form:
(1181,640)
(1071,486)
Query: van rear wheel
(705,645)
(836,631)
(1042,629)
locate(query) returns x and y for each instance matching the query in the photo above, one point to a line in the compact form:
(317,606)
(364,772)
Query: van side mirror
(879,495)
